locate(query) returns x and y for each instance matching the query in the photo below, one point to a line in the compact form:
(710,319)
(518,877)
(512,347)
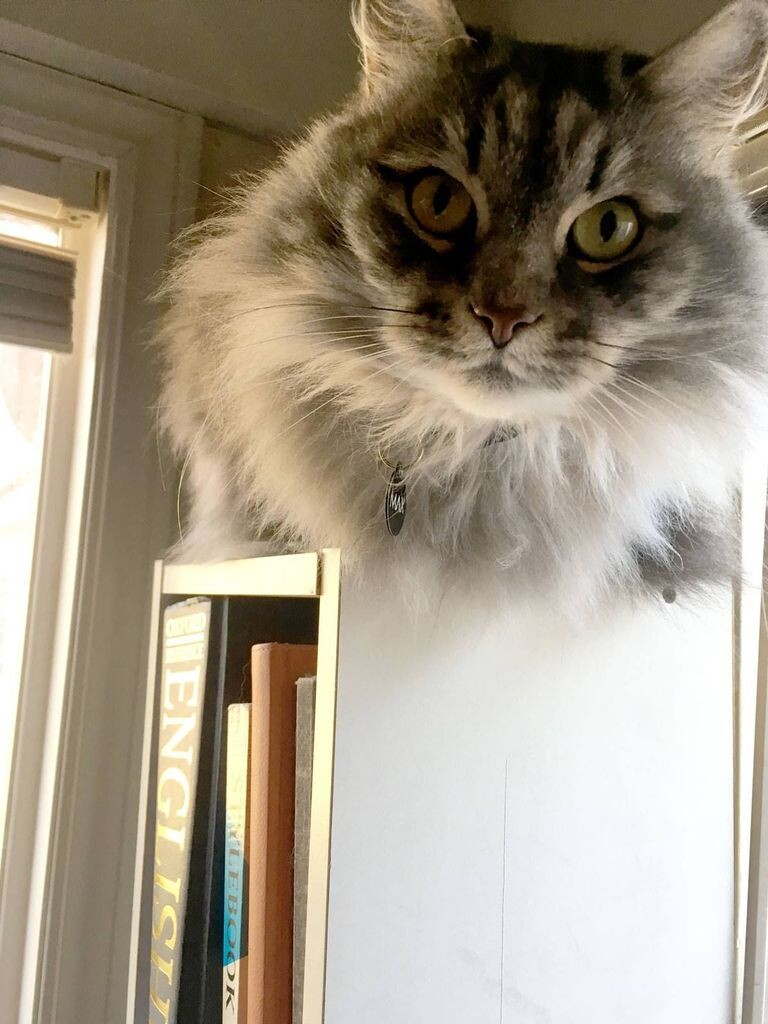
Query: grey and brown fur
(315,331)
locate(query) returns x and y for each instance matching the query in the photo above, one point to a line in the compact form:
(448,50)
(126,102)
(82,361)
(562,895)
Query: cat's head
(542,215)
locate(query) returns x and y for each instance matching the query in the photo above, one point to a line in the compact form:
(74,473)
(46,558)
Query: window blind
(74,184)
(36,292)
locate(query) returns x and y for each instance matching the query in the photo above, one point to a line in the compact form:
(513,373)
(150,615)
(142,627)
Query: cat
(511,287)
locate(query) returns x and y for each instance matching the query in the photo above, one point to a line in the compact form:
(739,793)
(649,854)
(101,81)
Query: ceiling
(290,59)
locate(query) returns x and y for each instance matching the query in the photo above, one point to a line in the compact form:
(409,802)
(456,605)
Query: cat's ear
(396,35)
(716,78)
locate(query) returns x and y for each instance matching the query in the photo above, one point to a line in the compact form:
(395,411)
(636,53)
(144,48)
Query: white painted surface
(616,744)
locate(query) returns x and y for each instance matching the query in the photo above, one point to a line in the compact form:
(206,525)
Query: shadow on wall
(647,26)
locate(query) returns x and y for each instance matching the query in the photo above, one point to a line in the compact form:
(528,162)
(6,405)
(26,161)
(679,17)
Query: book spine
(199,999)
(235,944)
(186,630)
(305,731)
(275,669)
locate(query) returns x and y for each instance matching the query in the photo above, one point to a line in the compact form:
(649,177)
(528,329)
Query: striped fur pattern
(315,332)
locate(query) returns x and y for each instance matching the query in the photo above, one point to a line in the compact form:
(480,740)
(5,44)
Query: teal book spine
(235,902)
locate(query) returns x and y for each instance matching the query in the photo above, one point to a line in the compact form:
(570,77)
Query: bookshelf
(493,779)
(285,598)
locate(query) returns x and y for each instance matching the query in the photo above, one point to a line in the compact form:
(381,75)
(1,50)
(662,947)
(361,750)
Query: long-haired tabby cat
(524,275)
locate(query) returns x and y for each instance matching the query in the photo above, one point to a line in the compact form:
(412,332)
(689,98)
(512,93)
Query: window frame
(66,888)
(752,978)
(751,690)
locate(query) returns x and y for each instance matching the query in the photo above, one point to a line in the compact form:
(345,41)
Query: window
(109,179)
(35,291)
(25,375)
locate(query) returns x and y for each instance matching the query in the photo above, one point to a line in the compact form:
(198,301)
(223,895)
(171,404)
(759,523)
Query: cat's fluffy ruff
(288,375)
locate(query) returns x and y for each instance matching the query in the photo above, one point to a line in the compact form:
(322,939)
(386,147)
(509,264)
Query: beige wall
(289,58)
(646,25)
(293,58)
(226,157)
(269,65)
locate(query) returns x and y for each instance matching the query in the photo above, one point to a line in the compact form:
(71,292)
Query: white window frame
(751,695)
(754,1006)
(66,889)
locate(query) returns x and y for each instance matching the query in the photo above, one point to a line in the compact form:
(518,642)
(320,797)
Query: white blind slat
(16,330)
(36,292)
(45,283)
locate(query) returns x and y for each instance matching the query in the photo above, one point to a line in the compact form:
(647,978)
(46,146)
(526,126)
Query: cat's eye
(439,204)
(605,233)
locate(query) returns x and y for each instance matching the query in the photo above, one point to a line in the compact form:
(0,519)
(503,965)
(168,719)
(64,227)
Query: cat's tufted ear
(397,35)
(715,78)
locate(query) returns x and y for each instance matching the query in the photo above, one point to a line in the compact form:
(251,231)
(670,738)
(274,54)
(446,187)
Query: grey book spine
(305,729)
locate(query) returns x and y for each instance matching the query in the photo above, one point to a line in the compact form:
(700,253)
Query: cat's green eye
(439,204)
(604,233)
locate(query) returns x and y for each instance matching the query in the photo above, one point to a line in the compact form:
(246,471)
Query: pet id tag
(395,502)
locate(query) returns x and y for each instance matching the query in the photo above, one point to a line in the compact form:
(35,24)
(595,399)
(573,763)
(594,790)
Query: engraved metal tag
(395,502)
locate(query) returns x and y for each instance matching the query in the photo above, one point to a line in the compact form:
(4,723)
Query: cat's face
(542,216)
(488,234)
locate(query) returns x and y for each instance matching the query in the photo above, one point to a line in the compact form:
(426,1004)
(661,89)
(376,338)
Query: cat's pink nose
(502,322)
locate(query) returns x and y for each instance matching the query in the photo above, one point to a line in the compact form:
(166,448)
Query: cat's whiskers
(579,421)
(620,348)
(678,407)
(185,466)
(226,322)
(262,381)
(621,374)
(339,303)
(651,390)
(649,353)
(595,359)
(614,384)
(312,389)
(297,333)
(335,397)
(317,408)
(346,316)
(621,404)
(672,444)
(608,392)
(385,428)
(640,350)
(617,422)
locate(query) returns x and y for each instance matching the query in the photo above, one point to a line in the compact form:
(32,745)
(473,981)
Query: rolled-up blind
(36,292)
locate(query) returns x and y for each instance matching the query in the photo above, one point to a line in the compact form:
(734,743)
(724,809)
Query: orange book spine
(275,670)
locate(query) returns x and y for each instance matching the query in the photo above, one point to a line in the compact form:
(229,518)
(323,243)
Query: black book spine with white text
(186,910)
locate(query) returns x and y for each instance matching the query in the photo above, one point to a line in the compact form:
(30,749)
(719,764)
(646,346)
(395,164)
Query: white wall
(615,742)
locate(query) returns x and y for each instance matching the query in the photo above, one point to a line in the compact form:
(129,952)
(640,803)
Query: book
(186,916)
(305,733)
(275,670)
(235,932)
